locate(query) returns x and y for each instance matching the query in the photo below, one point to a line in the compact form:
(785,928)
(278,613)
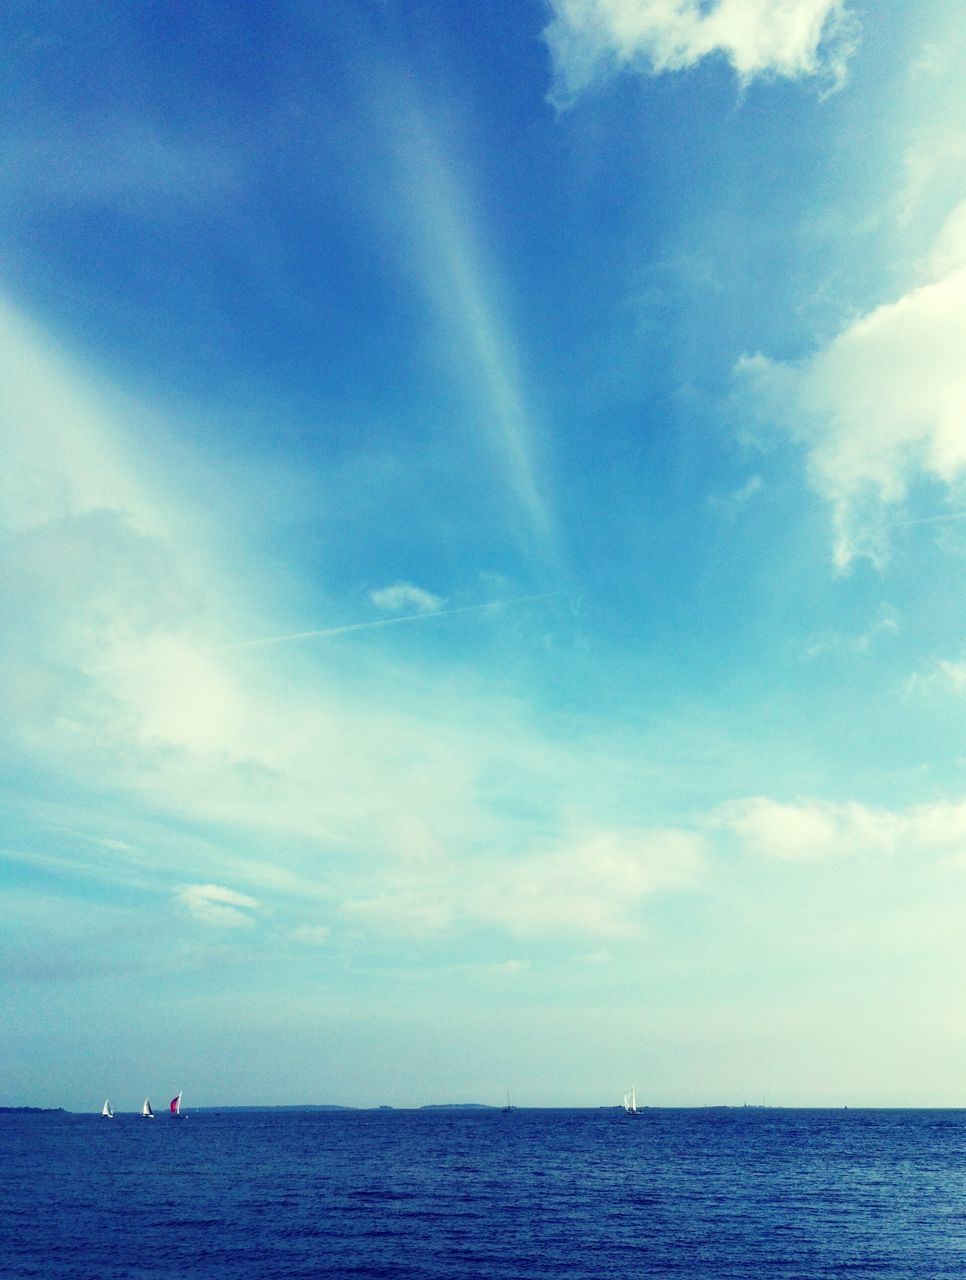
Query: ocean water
(530,1195)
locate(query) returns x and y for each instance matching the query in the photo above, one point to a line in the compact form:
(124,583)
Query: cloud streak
(454,269)
(213,904)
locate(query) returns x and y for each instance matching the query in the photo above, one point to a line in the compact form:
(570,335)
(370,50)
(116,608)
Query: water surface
(530,1195)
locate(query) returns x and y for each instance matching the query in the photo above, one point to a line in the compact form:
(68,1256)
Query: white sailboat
(630,1102)
(146,1110)
(106,1111)
(175,1108)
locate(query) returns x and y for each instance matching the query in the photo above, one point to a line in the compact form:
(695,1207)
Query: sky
(482,547)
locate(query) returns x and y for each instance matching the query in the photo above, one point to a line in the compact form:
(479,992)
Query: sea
(708,1194)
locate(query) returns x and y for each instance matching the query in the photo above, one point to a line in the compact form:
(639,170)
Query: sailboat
(175,1107)
(106,1111)
(146,1110)
(630,1102)
(508,1106)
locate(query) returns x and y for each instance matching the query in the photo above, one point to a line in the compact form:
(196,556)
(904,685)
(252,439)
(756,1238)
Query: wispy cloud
(885,623)
(213,904)
(731,504)
(456,271)
(401,594)
(591,40)
(64,457)
(595,885)
(111,668)
(945,675)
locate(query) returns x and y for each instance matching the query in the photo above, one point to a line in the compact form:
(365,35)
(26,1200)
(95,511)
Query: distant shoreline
(472,1107)
(32,1111)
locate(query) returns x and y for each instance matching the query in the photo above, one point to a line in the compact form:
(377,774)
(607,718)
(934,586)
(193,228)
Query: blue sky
(483,532)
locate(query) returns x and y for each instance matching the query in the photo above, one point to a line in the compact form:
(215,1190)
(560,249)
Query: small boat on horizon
(146,1111)
(509,1106)
(106,1111)
(630,1102)
(175,1107)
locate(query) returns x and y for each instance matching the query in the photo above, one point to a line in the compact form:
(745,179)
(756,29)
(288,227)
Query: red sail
(174,1104)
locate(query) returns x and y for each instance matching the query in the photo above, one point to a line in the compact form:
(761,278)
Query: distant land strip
(32,1111)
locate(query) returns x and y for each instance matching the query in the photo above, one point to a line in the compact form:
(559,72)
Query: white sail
(630,1102)
(146,1110)
(106,1110)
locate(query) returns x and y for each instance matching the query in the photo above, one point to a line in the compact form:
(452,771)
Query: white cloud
(798,832)
(880,408)
(403,595)
(593,887)
(215,905)
(591,39)
(945,675)
(815,829)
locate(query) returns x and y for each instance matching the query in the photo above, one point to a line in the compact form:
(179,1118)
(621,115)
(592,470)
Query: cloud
(804,831)
(878,409)
(403,595)
(110,665)
(462,281)
(813,829)
(885,623)
(591,40)
(215,905)
(62,457)
(730,505)
(945,675)
(594,886)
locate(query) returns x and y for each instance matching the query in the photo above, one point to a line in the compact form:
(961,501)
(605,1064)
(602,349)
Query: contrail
(324,632)
(321,633)
(951,515)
